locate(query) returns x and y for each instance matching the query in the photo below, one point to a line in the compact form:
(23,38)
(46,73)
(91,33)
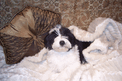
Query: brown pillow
(24,35)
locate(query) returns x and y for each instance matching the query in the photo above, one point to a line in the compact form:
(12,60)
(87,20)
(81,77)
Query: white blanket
(104,56)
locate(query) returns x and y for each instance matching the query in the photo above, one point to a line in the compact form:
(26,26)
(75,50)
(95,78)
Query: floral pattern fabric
(74,12)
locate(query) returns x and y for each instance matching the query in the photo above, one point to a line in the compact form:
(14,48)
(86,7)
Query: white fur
(61,65)
(57,47)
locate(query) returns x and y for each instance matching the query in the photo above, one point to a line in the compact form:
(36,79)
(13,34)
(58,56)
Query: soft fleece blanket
(104,56)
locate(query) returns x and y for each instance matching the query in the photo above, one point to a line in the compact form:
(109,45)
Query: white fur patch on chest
(61,60)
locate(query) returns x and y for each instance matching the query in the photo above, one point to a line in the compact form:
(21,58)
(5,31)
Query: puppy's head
(59,39)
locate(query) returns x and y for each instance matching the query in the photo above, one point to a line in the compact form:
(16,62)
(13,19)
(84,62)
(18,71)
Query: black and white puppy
(60,39)
(64,55)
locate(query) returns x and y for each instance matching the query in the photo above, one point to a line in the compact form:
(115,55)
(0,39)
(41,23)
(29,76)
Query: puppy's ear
(48,41)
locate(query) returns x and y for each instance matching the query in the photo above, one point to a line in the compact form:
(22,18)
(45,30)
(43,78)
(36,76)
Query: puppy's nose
(62,42)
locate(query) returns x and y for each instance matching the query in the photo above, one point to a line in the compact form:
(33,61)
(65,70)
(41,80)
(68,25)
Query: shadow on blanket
(103,56)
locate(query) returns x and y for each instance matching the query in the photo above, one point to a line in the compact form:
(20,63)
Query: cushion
(24,35)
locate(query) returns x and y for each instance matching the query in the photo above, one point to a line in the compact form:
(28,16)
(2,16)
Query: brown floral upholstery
(24,35)
(74,12)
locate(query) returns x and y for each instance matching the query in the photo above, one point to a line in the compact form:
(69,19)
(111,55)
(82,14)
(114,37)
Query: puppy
(64,54)
(60,39)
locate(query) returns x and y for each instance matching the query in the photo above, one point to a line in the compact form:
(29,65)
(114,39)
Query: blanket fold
(108,27)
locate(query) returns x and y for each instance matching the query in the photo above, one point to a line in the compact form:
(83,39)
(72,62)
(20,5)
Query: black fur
(49,39)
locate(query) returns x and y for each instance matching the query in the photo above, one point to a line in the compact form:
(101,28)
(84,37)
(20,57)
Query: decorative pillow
(24,35)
